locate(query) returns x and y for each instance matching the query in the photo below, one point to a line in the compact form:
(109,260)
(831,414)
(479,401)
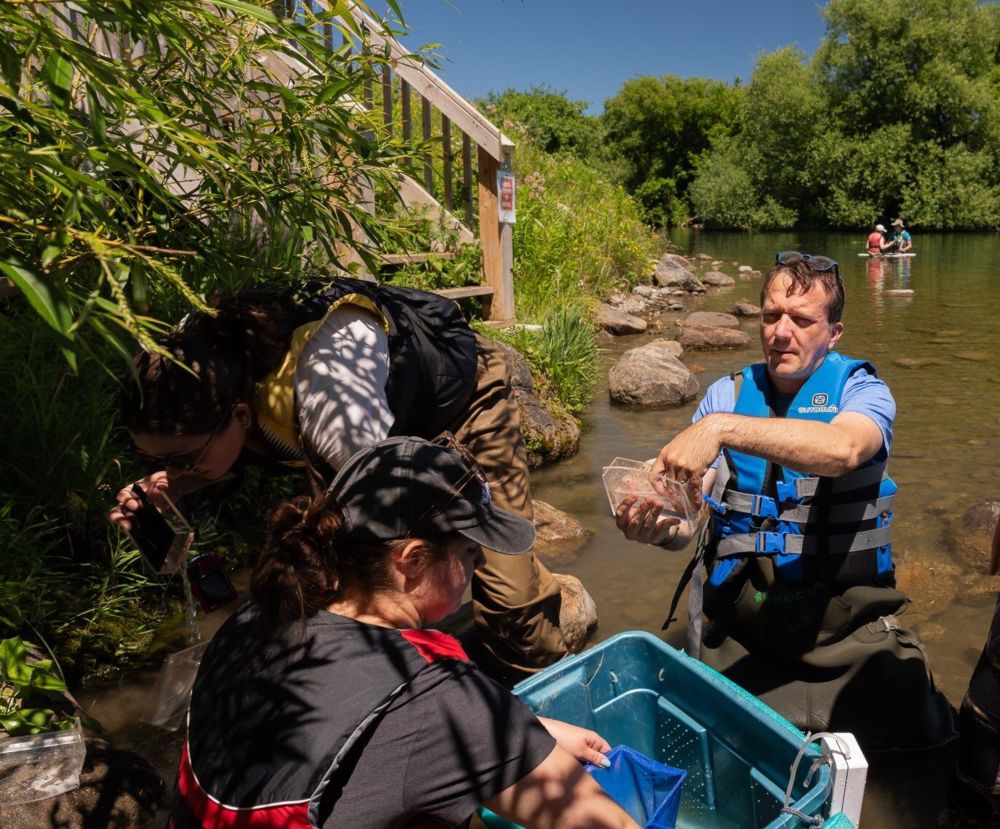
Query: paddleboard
(887,255)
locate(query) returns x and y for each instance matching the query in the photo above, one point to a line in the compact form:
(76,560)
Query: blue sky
(588,48)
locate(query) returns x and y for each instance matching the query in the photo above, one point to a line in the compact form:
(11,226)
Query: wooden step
(413,258)
(466,291)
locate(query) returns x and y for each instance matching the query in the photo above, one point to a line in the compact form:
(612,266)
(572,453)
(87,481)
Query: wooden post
(467,177)
(387,99)
(447,160)
(404,96)
(495,270)
(425,112)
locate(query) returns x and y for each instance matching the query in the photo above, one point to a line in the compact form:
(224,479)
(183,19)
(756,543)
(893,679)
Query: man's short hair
(803,278)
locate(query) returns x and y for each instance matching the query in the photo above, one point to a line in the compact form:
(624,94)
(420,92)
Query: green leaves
(207,140)
(58,74)
(47,301)
(22,679)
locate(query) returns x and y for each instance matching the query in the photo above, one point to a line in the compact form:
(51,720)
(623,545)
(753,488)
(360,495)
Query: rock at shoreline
(673,271)
(717,279)
(711,338)
(560,535)
(619,322)
(742,308)
(577,613)
(712,318)
(550,432)
(652,375)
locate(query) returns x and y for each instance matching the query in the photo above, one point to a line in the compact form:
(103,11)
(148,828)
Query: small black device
(209,582)
(163,540)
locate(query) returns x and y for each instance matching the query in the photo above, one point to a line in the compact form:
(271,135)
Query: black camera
(163,540)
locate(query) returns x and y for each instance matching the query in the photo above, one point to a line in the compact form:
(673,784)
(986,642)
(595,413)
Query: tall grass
(578,236)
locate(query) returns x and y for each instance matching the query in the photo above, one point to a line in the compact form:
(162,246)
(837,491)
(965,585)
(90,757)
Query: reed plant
(151,153)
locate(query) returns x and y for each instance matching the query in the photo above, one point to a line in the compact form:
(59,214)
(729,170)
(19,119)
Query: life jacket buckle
(718,507)
(769,542)
(764,507)
(787,492)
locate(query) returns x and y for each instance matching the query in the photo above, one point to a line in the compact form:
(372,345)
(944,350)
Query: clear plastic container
(172,691)
(624,477)
(41,765)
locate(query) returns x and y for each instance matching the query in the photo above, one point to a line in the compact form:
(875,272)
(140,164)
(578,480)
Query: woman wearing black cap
(322,702)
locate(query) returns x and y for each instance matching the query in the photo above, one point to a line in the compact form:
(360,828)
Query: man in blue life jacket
(789,456)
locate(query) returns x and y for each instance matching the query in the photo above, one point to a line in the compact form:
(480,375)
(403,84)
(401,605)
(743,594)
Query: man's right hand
(639,519)
(127,503)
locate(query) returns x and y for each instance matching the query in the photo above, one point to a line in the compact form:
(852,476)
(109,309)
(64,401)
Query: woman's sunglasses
(820,264)
(180,463)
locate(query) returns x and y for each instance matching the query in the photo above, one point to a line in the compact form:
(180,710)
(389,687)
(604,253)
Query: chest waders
(798,583)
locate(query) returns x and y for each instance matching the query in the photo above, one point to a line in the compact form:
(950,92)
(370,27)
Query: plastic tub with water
(636,690)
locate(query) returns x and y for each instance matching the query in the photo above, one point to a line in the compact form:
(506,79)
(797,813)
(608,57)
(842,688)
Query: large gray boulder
(714,318)
(972,535)
(618,321)
(711,338)
(550,432)
(673,271)
(717,279)
(652,375)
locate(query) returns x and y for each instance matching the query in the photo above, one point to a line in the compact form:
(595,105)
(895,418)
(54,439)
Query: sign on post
(505,197)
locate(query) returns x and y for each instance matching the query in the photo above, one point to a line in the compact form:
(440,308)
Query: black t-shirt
(351,724)
(454,739)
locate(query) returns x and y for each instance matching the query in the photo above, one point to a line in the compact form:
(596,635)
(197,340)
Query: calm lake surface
(946,437)
(945,441)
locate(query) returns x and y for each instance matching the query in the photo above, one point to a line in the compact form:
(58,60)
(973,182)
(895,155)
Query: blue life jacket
(817,529)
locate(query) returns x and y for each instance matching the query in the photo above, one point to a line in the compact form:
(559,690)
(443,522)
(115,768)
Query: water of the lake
(946,435)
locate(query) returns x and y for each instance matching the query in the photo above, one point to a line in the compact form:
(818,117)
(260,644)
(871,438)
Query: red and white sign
(505,193)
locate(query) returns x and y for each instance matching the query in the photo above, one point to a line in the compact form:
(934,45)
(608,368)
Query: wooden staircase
(416,87)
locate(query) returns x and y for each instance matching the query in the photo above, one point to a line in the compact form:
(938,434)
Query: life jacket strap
(807,487)
(773,543)
(762,506)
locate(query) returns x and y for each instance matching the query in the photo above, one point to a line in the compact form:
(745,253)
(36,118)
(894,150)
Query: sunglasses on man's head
(819,264)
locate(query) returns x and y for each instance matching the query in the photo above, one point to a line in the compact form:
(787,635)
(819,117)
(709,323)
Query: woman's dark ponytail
(307,564)
(297,573)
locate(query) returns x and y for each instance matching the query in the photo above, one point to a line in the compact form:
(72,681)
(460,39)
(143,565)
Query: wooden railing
(406,78)
(403,78)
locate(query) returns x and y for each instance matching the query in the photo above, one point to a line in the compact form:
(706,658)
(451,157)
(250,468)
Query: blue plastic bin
(636,690)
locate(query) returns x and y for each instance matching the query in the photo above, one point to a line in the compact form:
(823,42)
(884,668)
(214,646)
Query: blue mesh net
(649,791)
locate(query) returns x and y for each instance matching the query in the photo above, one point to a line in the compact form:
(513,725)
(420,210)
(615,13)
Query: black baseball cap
(406,486)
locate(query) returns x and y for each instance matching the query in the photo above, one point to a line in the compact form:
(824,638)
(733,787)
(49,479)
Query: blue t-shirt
(864,393)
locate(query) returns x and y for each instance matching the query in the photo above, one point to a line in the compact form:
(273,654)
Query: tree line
(897,113)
